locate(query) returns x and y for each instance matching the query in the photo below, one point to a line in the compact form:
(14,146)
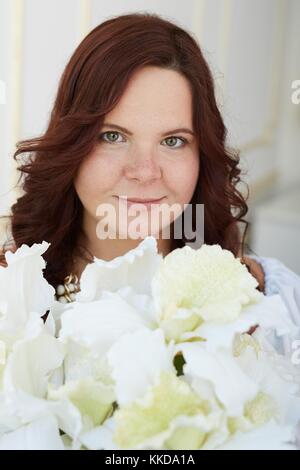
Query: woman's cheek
(97,176)
(183,179)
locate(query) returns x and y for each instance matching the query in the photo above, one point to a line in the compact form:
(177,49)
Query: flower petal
(232,386)
(136,269)
(42,434)
(97,325)
(137,361)
(271,436)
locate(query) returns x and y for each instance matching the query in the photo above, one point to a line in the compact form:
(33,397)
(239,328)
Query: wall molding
(85,18)
(225,20)
(267,134)
(198,19)
(17,27)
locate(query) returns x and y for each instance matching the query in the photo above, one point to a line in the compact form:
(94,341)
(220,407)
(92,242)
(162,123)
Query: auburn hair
(90,87)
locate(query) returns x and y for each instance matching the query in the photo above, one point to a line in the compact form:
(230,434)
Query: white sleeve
(279,279)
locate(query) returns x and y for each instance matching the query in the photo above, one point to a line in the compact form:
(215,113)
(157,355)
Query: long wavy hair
(90,87)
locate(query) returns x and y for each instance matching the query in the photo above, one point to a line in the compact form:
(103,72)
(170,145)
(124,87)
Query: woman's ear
(256,270)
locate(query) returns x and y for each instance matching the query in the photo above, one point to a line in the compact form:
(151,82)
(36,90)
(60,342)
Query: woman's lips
(140,202)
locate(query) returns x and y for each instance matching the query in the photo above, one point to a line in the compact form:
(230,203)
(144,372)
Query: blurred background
(253,48)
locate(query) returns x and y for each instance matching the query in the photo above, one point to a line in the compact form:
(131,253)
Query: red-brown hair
(90,87)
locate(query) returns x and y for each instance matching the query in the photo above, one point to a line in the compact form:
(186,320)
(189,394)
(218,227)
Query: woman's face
(141,155)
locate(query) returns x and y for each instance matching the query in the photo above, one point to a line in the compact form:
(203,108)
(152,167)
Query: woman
(113,132)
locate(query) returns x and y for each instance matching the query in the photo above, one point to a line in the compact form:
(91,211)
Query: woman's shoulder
(8,245)
(280,279)
(255,268)
(276,274)
(7,242)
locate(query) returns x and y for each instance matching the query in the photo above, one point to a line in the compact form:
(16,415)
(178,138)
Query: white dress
(279,279)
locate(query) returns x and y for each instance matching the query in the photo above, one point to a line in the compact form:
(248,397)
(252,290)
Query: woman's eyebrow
(173,131)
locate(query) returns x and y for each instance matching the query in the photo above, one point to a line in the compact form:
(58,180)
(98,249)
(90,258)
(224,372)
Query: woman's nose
(143,166)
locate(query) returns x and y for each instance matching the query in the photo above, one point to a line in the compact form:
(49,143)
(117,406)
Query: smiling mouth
(139,200)
(142,202)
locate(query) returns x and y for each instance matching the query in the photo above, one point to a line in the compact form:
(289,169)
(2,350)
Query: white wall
(252,46)
(7,123)
(276,221)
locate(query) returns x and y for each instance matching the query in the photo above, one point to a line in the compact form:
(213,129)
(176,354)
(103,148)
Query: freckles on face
(96,179)
(182,176)
(140,163)
(101,175)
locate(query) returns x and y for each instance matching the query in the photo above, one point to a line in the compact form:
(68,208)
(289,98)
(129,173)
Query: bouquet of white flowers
(152,354)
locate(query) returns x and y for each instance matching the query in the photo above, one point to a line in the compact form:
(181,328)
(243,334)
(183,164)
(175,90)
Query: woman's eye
(112,137)
(173,138)
(109,133)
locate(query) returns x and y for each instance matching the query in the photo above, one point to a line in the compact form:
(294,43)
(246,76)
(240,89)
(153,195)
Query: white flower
(274,375)
(23,290)
(137,361)
(152,355)
(98,324)
(100,437)
(232,386)
(208,282)
(158,409)
(271,436)
(89,330)
(170,407)
(42,434)
(135,269)
(31,363)
(25,378)
(92,398)
(270,313)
